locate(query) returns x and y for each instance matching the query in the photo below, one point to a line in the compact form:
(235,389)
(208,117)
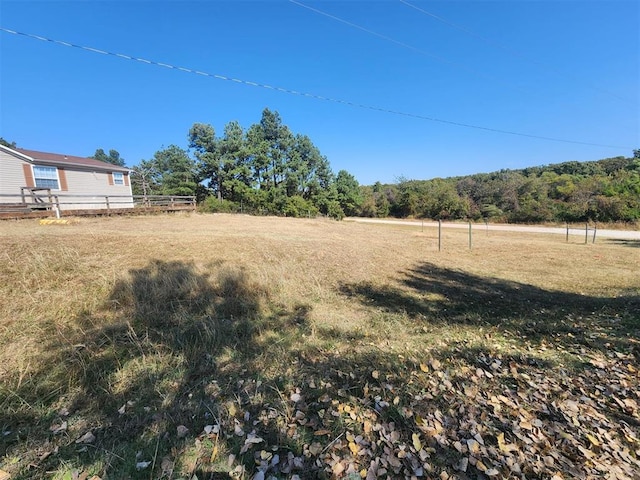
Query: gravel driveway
(616,234)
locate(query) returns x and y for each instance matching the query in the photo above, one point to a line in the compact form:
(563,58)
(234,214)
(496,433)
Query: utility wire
(302,94)
(507,49)
(407,46)
(376,34)
(446,61)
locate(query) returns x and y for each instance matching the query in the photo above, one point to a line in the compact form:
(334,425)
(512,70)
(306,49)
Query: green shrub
(213,205)
(297,206)
(334,210)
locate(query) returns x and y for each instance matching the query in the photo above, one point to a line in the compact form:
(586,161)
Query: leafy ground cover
(238,347)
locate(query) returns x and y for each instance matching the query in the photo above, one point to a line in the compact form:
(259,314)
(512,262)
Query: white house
(76,183)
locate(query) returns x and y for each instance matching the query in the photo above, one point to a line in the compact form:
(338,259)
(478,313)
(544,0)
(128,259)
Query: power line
(507,49)
(406,45)
(375,34)
(450,62)
(297,93)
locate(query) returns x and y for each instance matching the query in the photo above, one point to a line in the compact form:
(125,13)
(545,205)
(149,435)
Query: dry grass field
(219,346)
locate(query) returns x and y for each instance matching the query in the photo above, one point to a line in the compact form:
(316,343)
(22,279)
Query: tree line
(265,168)
(269,169)
(606,190)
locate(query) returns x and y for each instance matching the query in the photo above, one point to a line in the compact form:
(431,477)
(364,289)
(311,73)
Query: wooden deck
(22,211)
(42,203)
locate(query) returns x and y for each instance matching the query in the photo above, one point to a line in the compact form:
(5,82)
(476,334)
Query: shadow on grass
(155,358)
(175,350)
(435,295)
(624,242)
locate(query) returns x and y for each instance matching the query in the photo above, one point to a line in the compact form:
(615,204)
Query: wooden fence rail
(33,202)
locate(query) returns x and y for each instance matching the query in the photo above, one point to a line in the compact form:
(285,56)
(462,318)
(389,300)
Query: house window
(46,177)
(118,178)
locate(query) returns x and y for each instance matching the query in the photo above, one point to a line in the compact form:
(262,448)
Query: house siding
(80,188)
(96,186)
(12,177)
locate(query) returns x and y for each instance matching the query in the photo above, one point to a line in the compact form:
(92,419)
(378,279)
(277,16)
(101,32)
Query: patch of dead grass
(156,310)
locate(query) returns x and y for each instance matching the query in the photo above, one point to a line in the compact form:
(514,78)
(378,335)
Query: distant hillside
(605,190)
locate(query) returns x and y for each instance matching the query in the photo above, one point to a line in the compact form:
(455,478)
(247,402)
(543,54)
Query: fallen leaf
(417,444)
(231,408)
(463,464)
(593,440)
(87,438)
(315,448)
(353,447)
(367,426)
(55,429)
(473,446)
(167,466)
(208,429)
(253,439)
(264,455)
(259,475)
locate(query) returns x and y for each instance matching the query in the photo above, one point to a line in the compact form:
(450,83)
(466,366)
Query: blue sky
(566,69)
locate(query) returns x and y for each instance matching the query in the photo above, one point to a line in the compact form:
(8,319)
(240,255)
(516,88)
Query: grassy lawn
(242,347)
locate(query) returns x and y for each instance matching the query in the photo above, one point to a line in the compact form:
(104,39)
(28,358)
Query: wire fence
(586,233)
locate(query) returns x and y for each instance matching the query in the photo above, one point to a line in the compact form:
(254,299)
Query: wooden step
(14,207)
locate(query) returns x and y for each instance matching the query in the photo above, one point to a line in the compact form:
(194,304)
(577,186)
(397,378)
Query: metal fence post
(586,233)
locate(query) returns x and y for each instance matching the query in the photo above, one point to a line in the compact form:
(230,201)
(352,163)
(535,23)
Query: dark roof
(69,160)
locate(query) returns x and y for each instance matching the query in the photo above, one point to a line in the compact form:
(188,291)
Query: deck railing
(42,199)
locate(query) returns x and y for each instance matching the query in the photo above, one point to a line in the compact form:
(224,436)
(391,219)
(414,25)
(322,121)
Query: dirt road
(615,234)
